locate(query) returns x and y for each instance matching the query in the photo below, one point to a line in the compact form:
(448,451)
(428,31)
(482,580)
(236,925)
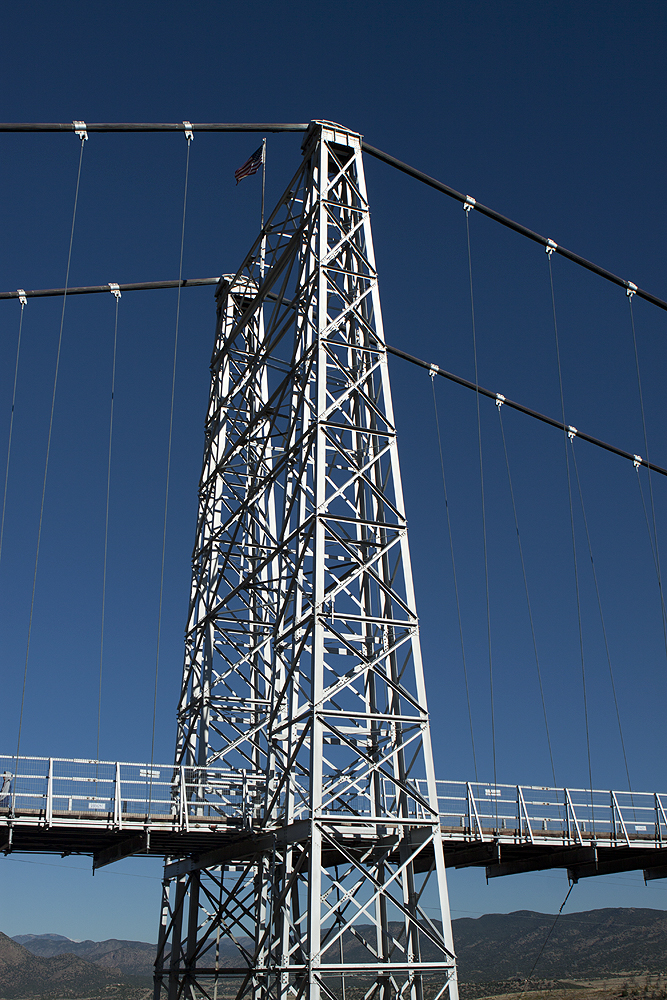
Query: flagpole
(263,246)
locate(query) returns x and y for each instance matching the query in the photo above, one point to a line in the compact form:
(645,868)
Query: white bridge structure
(302,825)
(115,809)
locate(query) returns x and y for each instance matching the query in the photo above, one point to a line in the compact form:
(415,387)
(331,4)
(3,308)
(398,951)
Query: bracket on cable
(469,203)
(23,298)
(189,133)
(637,461)
(550,247)
(500,399)
(80,130)
(114,289)
(631,289)
(433,371)
(571,432)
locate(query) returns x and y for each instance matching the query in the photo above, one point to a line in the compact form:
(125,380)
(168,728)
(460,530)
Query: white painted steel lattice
(303,672)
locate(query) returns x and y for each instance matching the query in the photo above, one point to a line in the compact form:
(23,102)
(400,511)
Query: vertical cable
(599,601)
(654,537)
(46,464)
(481,480)
(106,525)
(166,490)
(525,585)
(11,428)
(574,540)
(456,586)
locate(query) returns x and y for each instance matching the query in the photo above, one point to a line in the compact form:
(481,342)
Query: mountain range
(492,948)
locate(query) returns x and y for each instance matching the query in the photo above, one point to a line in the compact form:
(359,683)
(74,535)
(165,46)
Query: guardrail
(537,814)
(59,791)
(55,791)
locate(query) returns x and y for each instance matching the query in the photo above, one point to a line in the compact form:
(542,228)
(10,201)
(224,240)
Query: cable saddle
(80,129)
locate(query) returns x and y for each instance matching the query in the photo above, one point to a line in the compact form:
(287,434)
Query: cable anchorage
(80,130)
(433,371)
(572,432)
(23,298)
(631,289)
(550,247)
(469,203)
(500,399)
(637,461)
(114,288)
(189,132)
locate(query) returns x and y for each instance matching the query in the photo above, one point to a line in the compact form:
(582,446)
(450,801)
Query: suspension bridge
(305,832)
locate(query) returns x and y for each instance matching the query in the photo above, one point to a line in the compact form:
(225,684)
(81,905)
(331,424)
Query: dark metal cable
(11,429)
(655,561)
(481,481)
(655,547)
(516,227)
(525,585)
(378,154)
(599,602)
(106,524)
(46,467)
(166,491)
(539,954)
(456,585)
(574,540)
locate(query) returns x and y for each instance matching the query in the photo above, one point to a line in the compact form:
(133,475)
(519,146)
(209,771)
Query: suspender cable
(499,405)
(456,585)
(566,433)
(106,519)
(654,536)
(166,489)
(46,464)
(11,425)
(544,943)
(481,481)
(599,602)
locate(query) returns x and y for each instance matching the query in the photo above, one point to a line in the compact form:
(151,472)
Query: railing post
(521,807)
(49,794)
(117,807)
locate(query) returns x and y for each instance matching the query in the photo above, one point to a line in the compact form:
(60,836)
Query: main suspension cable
(46,463)
(106,517)
(456,585)
(481,481)
(525,585)
(11,425)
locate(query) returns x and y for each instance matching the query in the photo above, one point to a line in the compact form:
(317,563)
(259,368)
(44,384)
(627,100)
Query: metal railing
(55,791)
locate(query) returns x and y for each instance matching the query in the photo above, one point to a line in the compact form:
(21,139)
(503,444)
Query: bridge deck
(111,810)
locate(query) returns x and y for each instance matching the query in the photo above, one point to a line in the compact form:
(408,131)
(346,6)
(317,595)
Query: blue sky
(551,113)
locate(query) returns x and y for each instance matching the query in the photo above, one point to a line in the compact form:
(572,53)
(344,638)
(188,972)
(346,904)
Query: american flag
(251,166)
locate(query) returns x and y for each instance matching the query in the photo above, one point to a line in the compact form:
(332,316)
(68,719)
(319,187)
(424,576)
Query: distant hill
(24,974)
(500,946)
(131,958)
(492,948)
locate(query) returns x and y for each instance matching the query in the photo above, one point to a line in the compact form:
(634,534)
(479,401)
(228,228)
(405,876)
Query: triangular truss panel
(302,726)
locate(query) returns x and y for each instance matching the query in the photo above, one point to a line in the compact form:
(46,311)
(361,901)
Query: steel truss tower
(303,730)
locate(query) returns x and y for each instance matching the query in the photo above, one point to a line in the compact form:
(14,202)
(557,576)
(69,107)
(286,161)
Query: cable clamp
(433,371)
(631,289)
(571,432)
(550,247)
(114,289)
(80,130)
(500,399)
(637,461)
(189,133)
(469,203)
(23,298)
